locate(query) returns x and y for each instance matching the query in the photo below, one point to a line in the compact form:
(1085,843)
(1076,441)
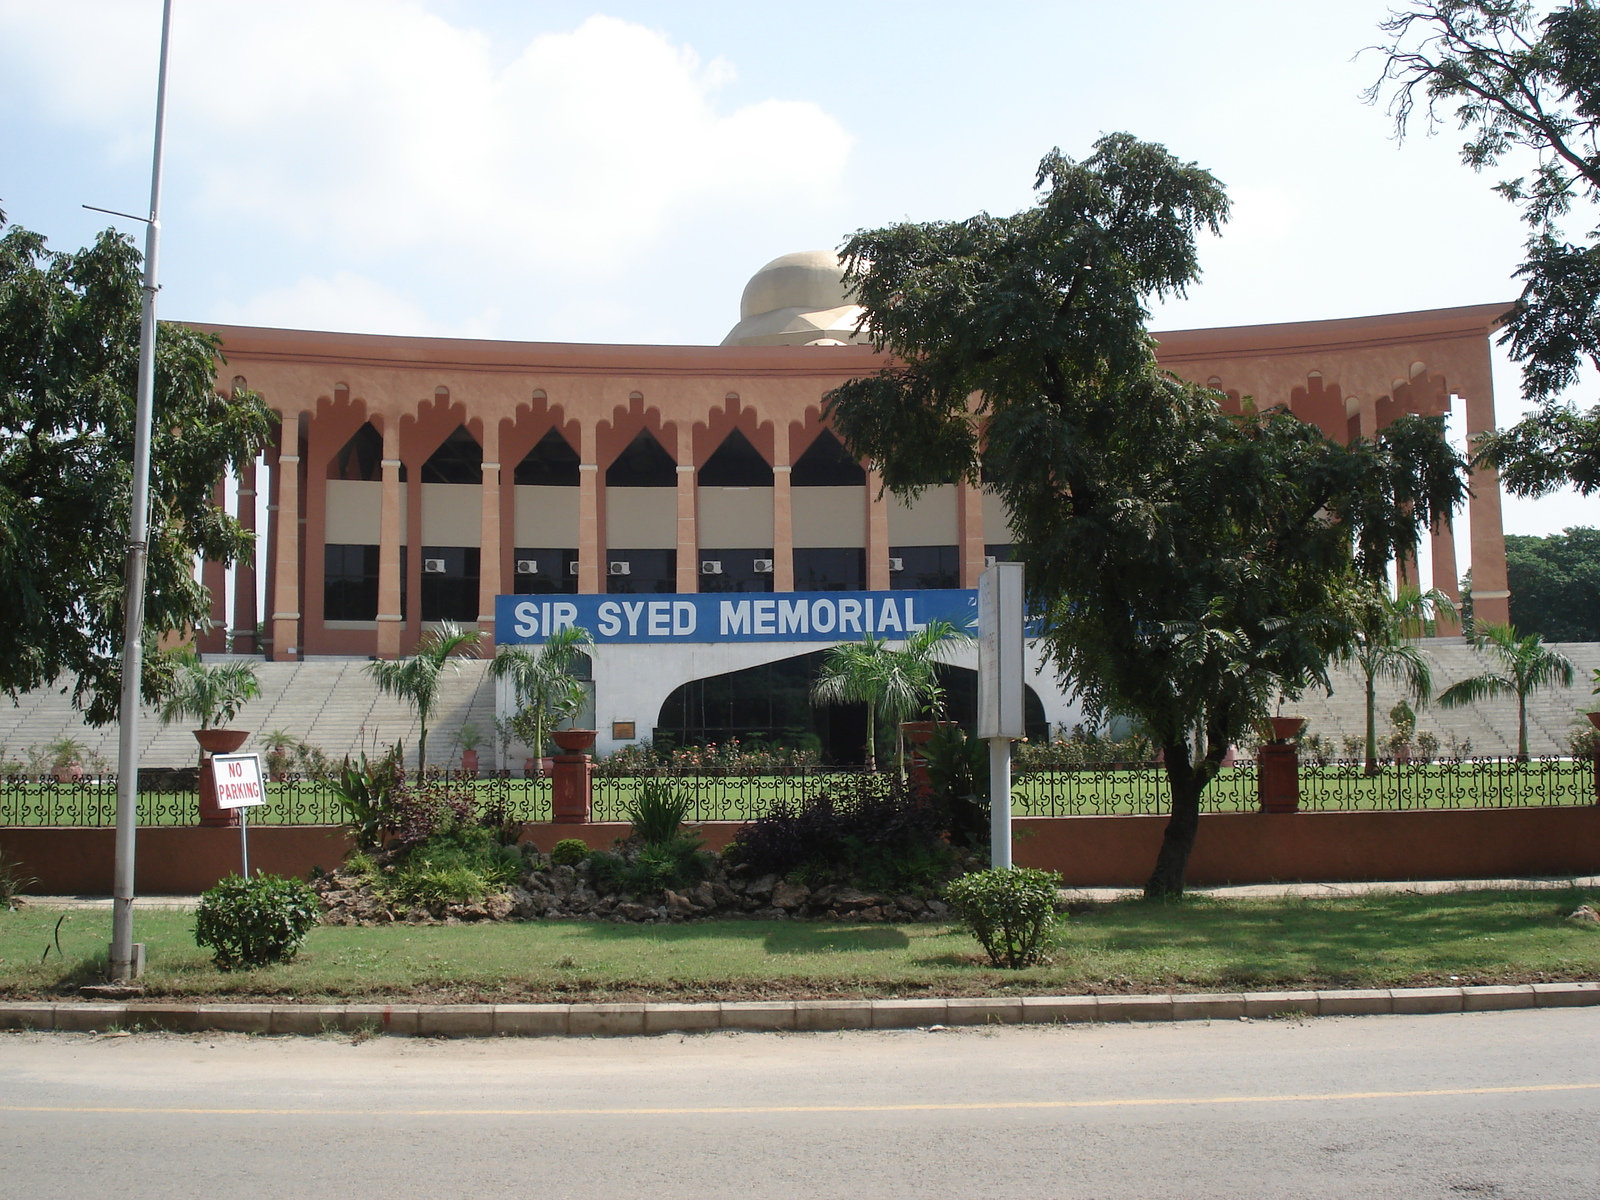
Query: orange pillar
(877,534)
(969,509)
(688,536)
(489,535)
(244,572)
(390,513)
(286,572)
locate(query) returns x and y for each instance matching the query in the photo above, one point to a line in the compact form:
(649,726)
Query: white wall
(929,520)
(632,682)
(354,512)
(641,518)
(734,518)
(545,516)
(452,514)
(829,516)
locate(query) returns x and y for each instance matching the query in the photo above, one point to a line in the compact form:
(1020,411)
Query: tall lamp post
(126,960)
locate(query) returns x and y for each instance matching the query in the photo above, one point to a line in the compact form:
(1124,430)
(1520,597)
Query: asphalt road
(1478,1105)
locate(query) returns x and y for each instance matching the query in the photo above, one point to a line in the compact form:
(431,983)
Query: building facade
(419,479)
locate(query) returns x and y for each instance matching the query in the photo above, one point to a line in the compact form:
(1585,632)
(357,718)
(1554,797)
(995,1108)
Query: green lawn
(1197,945)
(1497,784)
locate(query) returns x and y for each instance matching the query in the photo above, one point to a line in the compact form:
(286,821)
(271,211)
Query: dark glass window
(738,573)
(645,463)
(552,572)
(827,464)
(772,703)
(459,459)
(349,583)
(830,570)
(736,463)
(361,458)
(652,571)
(1001,551)
(551,463)
(926,567)
(453,594)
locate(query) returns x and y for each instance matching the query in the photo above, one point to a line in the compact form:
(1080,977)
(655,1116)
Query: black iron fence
(1120,789)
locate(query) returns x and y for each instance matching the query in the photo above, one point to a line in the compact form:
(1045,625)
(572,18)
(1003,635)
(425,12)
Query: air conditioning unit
(989,560)
(527,566)
(897,564)
(763,566)
(620,568)
(572,567)
(710,566)
(433,566)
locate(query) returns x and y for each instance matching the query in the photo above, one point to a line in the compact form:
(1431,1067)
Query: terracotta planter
(1284,728)
(1594,718)
(469,763)
(221,741)
(574,741)
(216,741)
(919,733)
(71,773)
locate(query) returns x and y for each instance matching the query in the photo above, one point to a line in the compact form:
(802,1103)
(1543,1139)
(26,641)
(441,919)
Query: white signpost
(1000,692)
(238,778)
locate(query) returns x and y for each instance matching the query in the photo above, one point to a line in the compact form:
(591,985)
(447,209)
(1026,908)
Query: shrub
(255,922)
(658,810)
(366,792)
(428,808)
(865,830)
(1010,911)
(569,852)
(958,778)
(460,864)
(12,880)
(674,863)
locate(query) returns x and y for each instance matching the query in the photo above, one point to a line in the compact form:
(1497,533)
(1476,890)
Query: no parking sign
(238,782)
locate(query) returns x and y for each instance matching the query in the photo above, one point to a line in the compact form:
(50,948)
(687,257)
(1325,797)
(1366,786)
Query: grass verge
(1199,944)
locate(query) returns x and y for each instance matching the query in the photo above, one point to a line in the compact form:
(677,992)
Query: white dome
(810,280)
(797,300)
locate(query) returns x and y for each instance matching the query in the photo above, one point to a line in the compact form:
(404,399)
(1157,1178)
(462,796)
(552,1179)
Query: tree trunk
(1372,727)
(1178,842)
(1522,727)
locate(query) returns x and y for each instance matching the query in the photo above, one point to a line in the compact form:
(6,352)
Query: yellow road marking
(778,1109)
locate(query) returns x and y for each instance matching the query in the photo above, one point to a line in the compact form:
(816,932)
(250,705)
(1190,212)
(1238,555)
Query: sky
(565,172)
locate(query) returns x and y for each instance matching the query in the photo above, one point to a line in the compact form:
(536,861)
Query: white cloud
(376,127)
(346,303)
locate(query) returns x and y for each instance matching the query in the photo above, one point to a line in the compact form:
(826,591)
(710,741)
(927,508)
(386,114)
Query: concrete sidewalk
(1249,891)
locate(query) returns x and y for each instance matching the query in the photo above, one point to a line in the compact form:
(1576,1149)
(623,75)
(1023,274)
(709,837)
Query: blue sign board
(734,617)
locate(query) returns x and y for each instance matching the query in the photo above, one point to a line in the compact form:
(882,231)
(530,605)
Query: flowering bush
(1083,748)
(730,756)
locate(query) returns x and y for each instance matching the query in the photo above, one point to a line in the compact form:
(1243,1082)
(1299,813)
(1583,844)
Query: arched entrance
(771,702)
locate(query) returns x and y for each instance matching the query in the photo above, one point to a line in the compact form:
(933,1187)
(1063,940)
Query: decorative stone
(790,896)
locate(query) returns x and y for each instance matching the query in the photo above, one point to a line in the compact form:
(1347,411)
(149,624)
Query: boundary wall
(1232,848)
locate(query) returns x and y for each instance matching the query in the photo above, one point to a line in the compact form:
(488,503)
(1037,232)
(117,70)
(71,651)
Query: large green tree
(69,351)
(1189,565)
(1555,584)
(1523,84)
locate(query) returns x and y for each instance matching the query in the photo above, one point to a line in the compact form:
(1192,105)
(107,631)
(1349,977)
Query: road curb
(620,1020)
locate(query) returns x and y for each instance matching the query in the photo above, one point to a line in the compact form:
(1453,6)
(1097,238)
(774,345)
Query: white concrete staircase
(332,705)
(1491,726)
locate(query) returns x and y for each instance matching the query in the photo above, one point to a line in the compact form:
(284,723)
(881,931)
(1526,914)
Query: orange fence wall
(1088,851)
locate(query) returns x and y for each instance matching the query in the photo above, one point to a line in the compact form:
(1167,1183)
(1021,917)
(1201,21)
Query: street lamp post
(126,961)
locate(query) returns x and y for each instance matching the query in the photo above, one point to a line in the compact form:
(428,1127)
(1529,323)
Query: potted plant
(470,739)
(574,741)
(66,759)
(546,685)
(281,748)
(212,695)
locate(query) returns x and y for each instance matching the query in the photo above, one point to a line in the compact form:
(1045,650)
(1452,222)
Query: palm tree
(416,679)
(1528,665)
(893,684)
(547,691)
(1383,649)
(211,694)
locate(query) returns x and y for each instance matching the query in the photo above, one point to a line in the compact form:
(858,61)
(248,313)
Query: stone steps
(331,705)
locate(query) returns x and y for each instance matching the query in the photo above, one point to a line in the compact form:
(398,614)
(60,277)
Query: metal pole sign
(1000,692)
(239,786)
